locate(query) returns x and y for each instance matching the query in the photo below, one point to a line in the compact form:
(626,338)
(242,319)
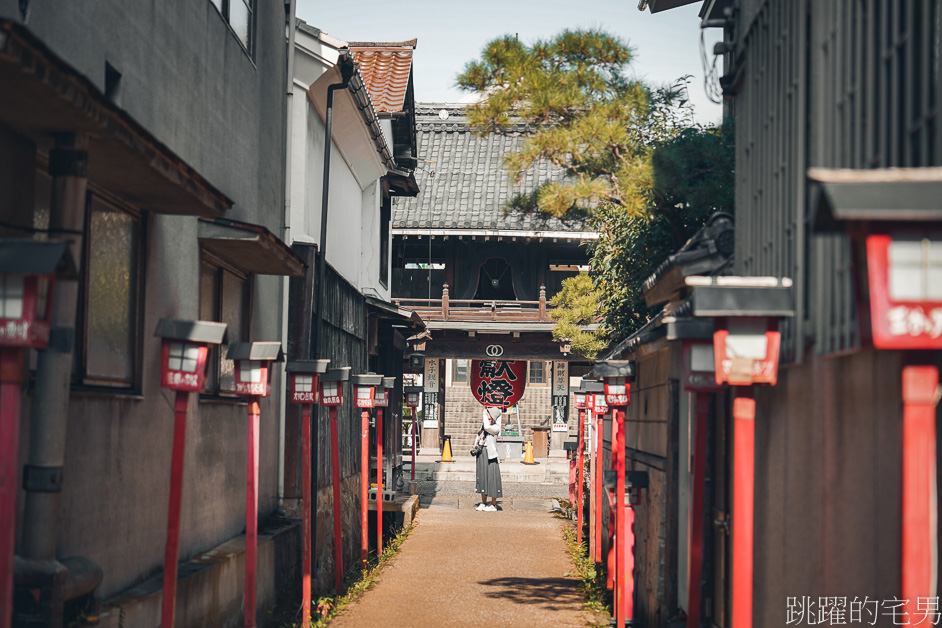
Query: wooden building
(480,275)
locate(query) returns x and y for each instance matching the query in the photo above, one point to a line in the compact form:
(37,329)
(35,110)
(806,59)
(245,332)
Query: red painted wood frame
(592,471)
(623,590)
(580,473)
(695,519)
(306,513)
(335,471)
(412,469)
(364,484)
(251,514)
(919,499)
(11,380)
(744,414)
(172,546)
(599,472)
(379,481)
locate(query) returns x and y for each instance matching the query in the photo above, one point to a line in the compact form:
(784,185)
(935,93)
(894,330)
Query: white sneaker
(490,508)
(481,506)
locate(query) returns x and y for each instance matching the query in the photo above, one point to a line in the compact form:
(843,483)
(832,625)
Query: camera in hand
(477,449)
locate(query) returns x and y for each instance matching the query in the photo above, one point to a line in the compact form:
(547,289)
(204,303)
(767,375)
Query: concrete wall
(187,79)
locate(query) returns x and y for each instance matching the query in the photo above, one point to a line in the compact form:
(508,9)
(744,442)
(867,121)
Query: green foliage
(578,304)
(632,158)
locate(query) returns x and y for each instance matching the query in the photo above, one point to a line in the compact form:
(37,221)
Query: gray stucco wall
(187,79)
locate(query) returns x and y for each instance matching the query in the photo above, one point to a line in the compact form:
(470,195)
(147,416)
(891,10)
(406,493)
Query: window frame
(223,8)
(543,379)
(80,377)
(454,374)
(214,361)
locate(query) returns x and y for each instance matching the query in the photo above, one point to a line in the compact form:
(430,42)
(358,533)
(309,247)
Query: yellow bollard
(528,454)
(446,451)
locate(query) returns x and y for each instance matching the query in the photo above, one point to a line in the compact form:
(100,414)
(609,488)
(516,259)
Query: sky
(451,33)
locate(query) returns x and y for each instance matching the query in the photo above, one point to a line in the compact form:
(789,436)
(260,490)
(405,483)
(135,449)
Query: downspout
(37,568)
(291,27)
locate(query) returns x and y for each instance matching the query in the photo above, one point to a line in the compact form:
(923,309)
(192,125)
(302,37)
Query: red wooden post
(171,549)
(579,476)
(919,533)
(251,514)
(364,484)
(695,520)
(306,512)
(335,468)
(744,414)
(599,472)
(618,455)
(11,379)
(379,481)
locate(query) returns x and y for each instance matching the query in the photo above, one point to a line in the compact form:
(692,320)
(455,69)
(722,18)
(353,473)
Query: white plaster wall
(370,245)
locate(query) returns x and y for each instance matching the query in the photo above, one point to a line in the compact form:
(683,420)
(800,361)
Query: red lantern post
(580,404)
(331,397)
(184,358)
(28,270)
(364,387)
(253,379)
(380,401)
(617,377)
(593,389)
(303,389)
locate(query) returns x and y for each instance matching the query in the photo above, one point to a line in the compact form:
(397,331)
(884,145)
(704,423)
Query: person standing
(488,482)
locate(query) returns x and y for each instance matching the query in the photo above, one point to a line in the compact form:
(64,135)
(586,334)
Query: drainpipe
(37,567)
(291,27)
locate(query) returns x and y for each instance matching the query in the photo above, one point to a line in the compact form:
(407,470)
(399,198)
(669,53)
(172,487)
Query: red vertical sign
(498,383)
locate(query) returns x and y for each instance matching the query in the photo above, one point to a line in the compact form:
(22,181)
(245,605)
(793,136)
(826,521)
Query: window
(240,14)
(460,375)
(537,373)
(108,348)
(224,297)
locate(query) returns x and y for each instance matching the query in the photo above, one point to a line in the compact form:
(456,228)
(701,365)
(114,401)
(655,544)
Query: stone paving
(461,567)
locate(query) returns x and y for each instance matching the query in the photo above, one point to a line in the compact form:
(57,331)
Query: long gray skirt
(488,477)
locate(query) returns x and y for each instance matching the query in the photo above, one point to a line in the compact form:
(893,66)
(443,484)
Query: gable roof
(386,68)
(464,184)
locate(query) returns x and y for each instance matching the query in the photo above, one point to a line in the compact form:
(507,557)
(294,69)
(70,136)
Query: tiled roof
(463,183)
(385,67)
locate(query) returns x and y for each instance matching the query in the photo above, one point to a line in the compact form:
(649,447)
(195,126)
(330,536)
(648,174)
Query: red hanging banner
(498,383)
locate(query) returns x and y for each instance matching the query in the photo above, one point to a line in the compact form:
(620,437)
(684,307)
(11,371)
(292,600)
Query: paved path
(460,567)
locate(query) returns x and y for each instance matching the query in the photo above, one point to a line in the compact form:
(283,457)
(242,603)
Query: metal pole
(695,524)
(306,512)
(579,477)
(919,533)
(11,380)
(251,514)
(68,167)
(171,550)
(335,469)
(744,414)
(379,481)
(364,484)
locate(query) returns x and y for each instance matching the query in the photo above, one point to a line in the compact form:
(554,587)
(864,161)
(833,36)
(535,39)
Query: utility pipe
(11,383)
(68,167)
(695,521)
(744,415)
(920,533)
(172,547)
